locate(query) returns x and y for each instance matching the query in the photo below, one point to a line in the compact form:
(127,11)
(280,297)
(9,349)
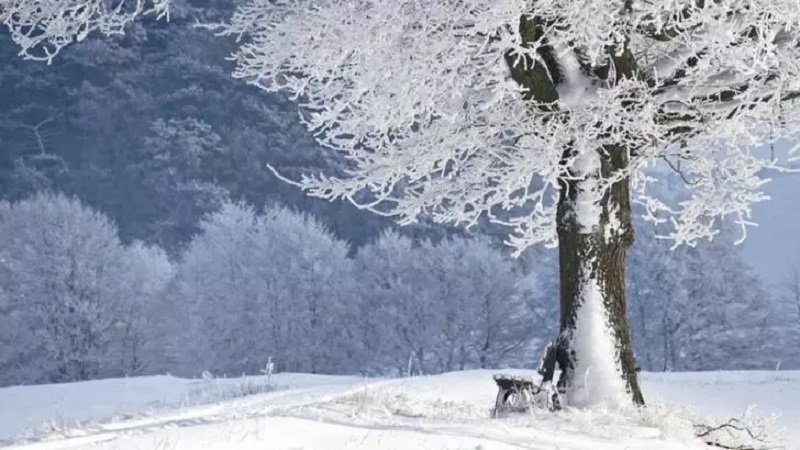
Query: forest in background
(152,129)
(275,285)
(178,218)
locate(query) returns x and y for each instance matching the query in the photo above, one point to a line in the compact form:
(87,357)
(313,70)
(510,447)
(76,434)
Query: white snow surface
(449,411)
(598,379)
(587,202)
(576,89)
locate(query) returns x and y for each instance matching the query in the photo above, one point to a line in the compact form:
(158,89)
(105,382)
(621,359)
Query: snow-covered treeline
(704,308)
(77,303)
(278,284)
(74,301)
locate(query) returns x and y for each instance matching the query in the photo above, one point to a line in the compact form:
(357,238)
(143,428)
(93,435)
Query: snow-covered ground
(449,411)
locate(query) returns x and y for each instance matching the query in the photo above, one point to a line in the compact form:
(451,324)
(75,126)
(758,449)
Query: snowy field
(449,411)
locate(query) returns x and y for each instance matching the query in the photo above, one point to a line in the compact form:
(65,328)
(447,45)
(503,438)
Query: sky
(774,245)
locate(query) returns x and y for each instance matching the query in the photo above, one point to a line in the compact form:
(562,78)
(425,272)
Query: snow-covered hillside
(449,411)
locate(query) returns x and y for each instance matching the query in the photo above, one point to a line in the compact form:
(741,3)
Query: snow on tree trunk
(595,232)
(494,109)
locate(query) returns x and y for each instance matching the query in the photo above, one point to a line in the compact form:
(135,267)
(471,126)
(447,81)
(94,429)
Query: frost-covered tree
(704,308)
(792,289)
(658,302)
(253,286)
(42,28)
(791,312)
(430,308)
(175,191)
(542,115)
(730,313)
(539,286)
(70,294)
(145,276)
(538,114)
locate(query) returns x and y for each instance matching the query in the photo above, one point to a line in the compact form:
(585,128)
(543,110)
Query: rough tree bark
(601,255)
(592,261)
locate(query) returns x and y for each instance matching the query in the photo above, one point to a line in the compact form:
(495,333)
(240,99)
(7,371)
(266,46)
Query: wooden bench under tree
(520,394)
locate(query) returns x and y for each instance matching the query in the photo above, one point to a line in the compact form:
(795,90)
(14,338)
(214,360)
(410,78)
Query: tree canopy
(463,109)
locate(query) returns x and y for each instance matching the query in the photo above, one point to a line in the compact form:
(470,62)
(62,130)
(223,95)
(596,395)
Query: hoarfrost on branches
(77,304)
(42,28)
(422,101)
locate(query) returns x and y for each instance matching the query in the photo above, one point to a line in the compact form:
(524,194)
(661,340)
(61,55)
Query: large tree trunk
(595,232)
(594,349)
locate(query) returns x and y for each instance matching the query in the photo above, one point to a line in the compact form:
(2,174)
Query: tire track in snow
(243,408)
